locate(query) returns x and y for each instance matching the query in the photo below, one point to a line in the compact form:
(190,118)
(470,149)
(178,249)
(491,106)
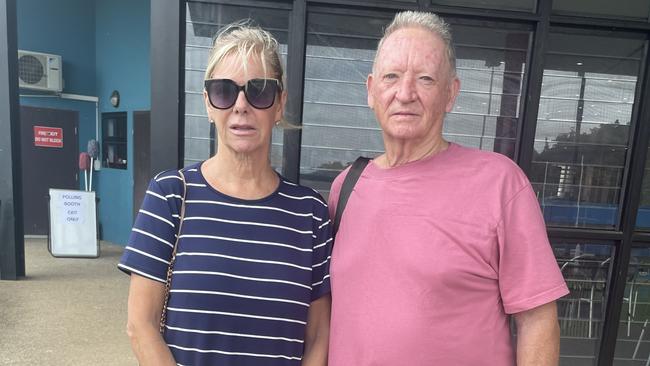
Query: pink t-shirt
(430,258)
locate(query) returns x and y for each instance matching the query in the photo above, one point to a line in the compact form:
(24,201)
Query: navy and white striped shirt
(246,271)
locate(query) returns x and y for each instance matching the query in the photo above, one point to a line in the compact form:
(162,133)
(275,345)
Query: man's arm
(538,336)
(317,332)
(144,310)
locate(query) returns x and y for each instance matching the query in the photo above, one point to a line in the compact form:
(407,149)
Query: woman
(250,281)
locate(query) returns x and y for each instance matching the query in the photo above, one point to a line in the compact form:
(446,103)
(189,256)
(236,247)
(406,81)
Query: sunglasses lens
(222,93)
(261,92)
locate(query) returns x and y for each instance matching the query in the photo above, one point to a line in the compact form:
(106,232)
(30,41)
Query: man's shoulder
(472,153)
(490,160)
(338,181)
(490,166)
(335,188)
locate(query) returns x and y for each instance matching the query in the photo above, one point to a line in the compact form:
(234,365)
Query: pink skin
(244,130)
(410,90)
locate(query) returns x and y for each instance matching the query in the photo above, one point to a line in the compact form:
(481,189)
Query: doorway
(50,159)
(141,151)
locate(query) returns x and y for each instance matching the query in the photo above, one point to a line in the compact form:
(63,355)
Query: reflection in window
(639,9)
(491,68)
(202,23)
(517,5)
(643,215)
(585,268)
(583,123)
(338,126)
(633,342)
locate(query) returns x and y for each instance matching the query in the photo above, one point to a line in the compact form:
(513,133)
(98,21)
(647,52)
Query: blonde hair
(244,40)
(428,21)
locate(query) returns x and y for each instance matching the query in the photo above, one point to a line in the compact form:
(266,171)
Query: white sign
(73,224)
(72,207)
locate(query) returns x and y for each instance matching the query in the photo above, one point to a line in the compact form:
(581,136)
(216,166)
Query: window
(517,5)
(583,128)
(491,67)
(202,23)
(638,9)
(633,342)
(339,126)
(114,140)
(585,267)
(643,215)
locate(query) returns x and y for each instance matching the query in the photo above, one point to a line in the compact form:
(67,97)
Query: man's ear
(371,98)
(454,89)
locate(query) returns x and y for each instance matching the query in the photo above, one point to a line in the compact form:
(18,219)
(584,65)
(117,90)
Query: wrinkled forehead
(414,48)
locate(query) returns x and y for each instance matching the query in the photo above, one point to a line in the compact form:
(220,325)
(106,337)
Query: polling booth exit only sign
(48,136)
(73,223)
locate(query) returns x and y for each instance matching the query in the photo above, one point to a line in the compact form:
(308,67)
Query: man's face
(411,88)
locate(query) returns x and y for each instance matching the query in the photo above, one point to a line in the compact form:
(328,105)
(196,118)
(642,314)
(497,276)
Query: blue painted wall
(104,47)
(122,40)
(66,28)
(46,26)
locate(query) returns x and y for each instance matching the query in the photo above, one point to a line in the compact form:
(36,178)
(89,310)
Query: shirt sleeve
(529,275)
(322,250)
(153,236)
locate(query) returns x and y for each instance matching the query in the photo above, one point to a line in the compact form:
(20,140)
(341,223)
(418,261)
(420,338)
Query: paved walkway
(66,311)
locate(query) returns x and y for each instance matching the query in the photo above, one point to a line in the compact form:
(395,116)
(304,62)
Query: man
(439,244)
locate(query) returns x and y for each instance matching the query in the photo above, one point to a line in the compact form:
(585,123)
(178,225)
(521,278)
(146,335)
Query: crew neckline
(413,167)
(237,199)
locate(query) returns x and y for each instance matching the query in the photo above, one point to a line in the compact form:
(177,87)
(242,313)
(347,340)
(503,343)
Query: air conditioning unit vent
(39,71)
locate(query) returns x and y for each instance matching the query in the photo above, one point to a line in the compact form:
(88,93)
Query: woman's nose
(241,103)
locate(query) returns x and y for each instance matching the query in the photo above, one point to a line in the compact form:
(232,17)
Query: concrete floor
(66,311)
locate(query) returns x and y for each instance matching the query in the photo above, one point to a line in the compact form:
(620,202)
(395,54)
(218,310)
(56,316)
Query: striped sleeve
(321,251)
(152,238)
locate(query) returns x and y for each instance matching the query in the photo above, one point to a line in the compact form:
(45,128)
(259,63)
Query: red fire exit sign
(48,136)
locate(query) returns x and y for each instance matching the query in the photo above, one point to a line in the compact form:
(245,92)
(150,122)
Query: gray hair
(244,40)
(427,21)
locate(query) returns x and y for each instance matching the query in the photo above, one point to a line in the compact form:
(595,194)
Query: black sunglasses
(260,93)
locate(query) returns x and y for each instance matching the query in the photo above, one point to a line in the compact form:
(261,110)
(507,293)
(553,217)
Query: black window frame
(542,20)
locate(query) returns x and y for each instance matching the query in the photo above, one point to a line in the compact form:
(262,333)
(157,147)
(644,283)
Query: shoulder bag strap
(163,314)
(346,189)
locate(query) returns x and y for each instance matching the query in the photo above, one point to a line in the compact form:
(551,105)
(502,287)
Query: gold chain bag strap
(163,315)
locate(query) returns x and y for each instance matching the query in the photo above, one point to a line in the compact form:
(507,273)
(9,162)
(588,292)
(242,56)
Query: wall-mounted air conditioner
(40,71)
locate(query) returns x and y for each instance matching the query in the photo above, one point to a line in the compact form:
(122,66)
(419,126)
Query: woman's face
(242,128)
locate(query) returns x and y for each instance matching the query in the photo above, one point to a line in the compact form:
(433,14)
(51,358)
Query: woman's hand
(144,310)
(317,332)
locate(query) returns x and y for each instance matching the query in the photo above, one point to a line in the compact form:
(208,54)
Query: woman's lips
(242,130)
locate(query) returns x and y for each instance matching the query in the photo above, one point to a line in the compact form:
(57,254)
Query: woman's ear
(282,100)
(208,107)
(206,101)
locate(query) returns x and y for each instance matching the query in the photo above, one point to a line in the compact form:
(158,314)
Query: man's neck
(400,154)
